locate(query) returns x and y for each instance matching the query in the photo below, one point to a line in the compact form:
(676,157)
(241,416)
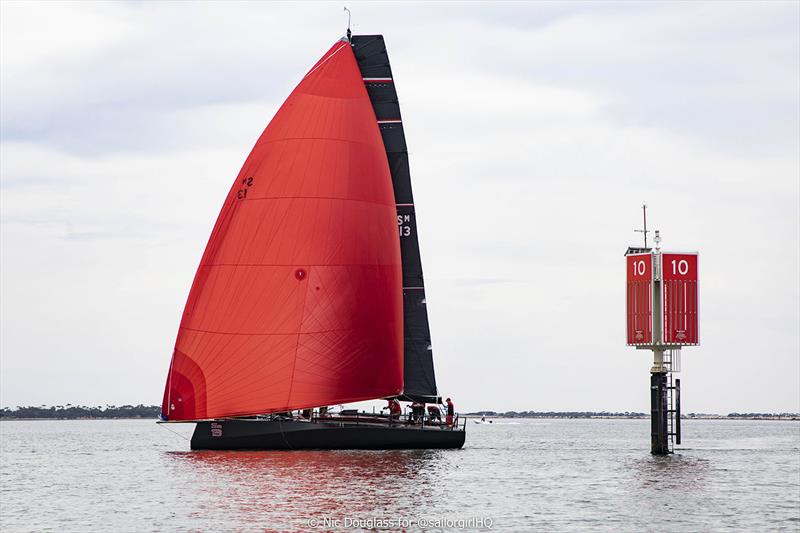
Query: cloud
(535,132)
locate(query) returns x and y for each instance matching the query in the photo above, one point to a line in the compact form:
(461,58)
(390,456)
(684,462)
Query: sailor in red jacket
(394,409)
(450,412)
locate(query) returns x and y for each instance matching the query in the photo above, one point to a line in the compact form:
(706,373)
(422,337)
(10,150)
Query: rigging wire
(174,432)
(283,435)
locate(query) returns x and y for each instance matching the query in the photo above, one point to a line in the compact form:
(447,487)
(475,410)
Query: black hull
(303,435)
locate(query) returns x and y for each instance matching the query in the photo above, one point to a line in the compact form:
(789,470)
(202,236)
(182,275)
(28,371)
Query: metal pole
(658,350)
(659,435)
(644,211)
(659,444)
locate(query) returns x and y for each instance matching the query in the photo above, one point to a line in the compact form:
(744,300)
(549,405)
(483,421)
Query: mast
(373,61)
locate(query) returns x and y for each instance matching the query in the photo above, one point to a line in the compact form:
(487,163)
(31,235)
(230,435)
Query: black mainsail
(373,62)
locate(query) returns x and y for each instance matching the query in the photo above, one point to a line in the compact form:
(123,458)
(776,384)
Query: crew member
(450,412)
(434,414)
(417,412)
(394,409)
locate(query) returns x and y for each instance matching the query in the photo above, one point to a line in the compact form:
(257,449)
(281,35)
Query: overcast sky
(535,133)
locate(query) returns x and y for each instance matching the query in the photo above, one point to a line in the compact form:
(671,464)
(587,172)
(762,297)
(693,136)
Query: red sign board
(679,275)
(639,299)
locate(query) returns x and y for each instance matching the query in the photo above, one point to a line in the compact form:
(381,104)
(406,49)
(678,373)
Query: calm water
(513,475)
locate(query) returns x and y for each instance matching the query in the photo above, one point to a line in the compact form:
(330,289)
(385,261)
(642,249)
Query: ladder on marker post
(672,362)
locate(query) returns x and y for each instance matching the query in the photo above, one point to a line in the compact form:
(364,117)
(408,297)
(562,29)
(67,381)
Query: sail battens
(297,301)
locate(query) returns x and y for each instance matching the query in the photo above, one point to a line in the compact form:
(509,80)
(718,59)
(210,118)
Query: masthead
(349,33)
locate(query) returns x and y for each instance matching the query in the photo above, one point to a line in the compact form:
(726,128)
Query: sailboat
(310,291)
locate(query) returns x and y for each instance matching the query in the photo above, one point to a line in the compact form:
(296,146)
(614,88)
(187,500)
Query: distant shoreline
(152,412)
(81,412)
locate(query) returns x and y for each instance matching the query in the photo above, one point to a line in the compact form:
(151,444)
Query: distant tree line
(70,411)
(763,415)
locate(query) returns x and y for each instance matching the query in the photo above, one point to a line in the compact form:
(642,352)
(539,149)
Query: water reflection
(285,488)
(668,472)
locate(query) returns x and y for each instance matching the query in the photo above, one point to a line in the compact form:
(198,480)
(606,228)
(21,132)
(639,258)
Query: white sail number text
(403,225)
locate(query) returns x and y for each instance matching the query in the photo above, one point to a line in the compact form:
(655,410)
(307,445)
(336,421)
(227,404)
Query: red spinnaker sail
(297,301)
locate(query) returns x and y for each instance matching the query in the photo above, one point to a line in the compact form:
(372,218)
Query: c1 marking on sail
(403,228)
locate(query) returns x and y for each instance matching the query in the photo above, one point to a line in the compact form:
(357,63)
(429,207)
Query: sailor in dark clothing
(417,412)
(450,412)
(434,414)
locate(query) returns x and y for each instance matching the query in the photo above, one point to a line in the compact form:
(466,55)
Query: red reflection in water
(284,488)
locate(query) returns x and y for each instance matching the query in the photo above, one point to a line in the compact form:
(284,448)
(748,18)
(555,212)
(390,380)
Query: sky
(535,132)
